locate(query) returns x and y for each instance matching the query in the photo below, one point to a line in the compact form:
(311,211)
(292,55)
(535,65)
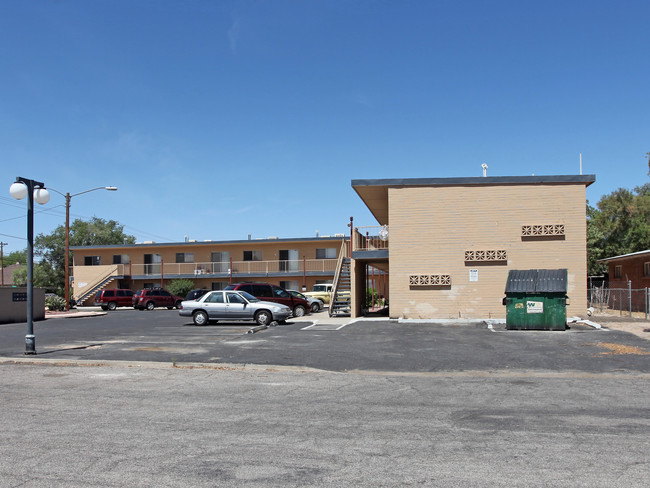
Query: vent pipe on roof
(485,167)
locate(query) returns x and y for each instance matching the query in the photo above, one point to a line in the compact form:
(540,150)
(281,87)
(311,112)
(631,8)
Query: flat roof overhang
(374,193)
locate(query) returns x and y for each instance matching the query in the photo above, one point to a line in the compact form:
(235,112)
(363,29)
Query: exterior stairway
(340,305)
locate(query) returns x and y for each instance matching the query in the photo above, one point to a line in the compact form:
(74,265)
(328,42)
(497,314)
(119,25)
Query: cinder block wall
(432,227)
(13,309)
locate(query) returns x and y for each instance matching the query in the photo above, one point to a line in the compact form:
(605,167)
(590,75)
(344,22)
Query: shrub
(180,287)
(55,303)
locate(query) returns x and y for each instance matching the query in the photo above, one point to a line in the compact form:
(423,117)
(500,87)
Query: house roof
(374,193)
(623,256)
(336,237)
(8,272)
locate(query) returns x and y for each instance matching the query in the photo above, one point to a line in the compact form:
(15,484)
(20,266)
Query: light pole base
(30,345)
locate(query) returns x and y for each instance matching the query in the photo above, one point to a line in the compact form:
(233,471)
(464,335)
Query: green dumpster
(536,299)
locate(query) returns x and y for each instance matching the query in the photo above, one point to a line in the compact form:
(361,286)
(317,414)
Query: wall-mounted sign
(473,275)
(19,296)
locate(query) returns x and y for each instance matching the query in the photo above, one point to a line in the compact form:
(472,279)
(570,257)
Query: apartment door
(289,260)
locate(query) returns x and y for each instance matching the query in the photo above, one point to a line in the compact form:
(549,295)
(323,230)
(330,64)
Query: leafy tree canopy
(15,257)
(51,247)
(619,225)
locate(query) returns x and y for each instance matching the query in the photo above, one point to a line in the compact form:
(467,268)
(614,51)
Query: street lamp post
(35,191)
(67,235)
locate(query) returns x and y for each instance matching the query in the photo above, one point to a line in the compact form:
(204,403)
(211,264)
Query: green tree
(51,248)
(15,257)
(620,225)
(180,287)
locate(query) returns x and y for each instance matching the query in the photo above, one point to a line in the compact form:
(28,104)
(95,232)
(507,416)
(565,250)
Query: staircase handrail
(96,284)
(343,253)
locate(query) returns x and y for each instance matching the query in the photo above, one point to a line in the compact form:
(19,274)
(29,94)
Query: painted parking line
(325,326)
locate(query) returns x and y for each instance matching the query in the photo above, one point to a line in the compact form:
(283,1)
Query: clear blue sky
(219,119)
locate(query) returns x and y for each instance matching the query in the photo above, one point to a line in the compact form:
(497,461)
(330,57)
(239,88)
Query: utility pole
(2,260)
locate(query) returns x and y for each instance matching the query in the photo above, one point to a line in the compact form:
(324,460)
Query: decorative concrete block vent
(492,255)
(430,280)
(545,230)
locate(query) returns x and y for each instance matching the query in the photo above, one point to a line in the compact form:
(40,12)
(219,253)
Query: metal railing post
(629,295)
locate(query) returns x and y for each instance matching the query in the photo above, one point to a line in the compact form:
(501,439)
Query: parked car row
(151,298)
(143,299)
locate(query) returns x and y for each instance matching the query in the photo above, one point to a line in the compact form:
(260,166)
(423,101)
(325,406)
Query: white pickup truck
(324,291)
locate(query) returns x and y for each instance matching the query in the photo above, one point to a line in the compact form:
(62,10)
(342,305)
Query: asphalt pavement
(141,399)
(320,342)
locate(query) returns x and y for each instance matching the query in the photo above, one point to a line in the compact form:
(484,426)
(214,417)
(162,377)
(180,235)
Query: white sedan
(233,305)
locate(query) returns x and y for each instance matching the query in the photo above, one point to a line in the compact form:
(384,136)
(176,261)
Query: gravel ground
(634,325)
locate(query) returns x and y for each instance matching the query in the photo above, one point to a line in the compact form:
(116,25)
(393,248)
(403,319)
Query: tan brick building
(449,243)
(442,249)
(290,263)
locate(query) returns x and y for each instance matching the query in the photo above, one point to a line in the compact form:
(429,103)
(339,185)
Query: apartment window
(152,263)
(252,255)
(92,260)
(289,285)
(220,262)
(618,271)
(646,269)
(326,253)
(120,259)
(184,257)
(219,285)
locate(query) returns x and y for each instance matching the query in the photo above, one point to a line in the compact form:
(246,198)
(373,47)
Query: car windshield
(320,288)
(248,296)
(298,294)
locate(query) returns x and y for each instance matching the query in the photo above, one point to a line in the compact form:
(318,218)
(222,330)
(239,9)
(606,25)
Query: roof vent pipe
(485,167)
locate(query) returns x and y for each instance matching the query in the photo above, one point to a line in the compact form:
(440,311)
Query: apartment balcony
(236,269)
(370,243)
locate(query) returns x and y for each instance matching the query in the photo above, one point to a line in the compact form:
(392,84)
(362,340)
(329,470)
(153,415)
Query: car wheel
(315,307)
(177,305)
(112,305)
(298,311)
(200,318)
(151,305)
(104,307)
(263,317)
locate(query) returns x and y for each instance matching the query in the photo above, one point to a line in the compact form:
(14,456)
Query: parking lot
(138,399)
(333,344)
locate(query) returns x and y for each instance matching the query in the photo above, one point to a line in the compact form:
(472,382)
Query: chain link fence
(624,300)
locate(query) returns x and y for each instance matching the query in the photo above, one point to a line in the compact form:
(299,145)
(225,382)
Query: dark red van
(273,293)
(111,299)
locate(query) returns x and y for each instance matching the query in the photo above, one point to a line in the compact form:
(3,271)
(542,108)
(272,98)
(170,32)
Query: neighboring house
(448,243)
(8,273)
(290,263)
(630,271)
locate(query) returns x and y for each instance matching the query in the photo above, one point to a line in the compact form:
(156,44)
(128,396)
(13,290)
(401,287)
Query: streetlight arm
(109,188)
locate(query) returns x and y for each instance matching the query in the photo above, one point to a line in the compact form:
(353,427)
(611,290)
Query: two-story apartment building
(442,250)
(449,243)
(290,263)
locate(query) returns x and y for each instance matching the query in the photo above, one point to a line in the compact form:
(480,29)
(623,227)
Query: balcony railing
(253,268)
(370,238)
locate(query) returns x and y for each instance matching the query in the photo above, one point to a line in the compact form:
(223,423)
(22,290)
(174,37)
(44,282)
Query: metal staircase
(340,304)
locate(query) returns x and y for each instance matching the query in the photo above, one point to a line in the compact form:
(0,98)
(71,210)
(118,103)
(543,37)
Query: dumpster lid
(537,281)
